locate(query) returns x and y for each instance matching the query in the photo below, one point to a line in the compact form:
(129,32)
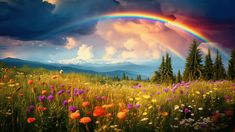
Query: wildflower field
(51,101)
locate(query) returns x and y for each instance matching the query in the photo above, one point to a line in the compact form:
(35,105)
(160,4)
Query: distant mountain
(110,70)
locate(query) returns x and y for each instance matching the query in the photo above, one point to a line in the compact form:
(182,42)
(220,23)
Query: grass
(111,105)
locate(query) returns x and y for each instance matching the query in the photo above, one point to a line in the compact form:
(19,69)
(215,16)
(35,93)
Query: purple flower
(52,92)
(158,92)
(60,92)
(144,90)
(186,110)
(65,102)
(31,108)
(203,125)
(41,98)
(50,98)
(62,85)
(52,87)
(72,108)
(98,98)
(166,90)
(137,86)
(129,106)
(68,91)
(79,92)
(137,106)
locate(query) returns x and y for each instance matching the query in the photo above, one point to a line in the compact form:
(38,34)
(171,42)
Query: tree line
(195,69)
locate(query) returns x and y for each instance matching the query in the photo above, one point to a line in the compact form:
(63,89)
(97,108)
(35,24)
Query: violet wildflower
(129,106)
(41,98)
(186,110)
(68,91)
(65,102)
(72,108)
(166,90)
(137,106)
(50,98)
(60,92)
(31,108)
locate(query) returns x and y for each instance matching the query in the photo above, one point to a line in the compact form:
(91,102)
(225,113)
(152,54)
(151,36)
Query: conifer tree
(168,70)
(162,70)
(231,66)
(178,77)
(193,66)
(156,77)
(219,71)
(124,76)
(208,67)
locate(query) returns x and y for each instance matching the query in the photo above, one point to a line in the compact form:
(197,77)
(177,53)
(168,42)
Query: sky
(62,31)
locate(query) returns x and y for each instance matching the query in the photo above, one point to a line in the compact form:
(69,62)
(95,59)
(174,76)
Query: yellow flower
(137,98)
(131,99)
(197,92)
(154,100)
(150,107)
(145,113)
(146,96)
(215,88)
(176,107)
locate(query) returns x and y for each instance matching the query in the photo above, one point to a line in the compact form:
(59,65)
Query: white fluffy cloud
(110,51)
(71,43)
(84,53)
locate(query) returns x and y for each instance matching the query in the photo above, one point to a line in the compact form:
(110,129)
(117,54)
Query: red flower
(215,117)
(99,111)
(75,115)
(30,82)
(31,120)
(86,104)
(41,109)
(228,113)
(85,120)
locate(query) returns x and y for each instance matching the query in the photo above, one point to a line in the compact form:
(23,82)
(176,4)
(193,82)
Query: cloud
(84,53)
(71,43)
(110,51)
(143,39)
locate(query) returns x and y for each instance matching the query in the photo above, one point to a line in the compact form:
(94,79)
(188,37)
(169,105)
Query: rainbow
(140,15)
(154,17)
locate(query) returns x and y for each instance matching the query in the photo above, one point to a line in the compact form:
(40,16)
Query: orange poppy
(164,114)
(44,92)
(75,115)
(85,120)
(121,115)
(70,100)
(99,111)
(31,120)
(30,82)
(41,109)
(86,104)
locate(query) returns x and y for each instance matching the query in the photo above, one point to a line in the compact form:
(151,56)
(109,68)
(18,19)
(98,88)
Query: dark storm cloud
(30,19)
(214,18)
(35,19)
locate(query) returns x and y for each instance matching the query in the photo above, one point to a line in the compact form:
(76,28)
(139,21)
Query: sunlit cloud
(52,1)
(71,43)
(84,53)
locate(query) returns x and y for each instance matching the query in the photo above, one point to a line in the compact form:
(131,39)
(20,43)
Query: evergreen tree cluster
(194,67)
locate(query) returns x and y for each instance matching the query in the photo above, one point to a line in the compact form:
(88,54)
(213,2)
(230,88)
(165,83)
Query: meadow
(41,100)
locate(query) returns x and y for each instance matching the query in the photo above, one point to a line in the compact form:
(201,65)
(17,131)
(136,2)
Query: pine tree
(193,66)
(219,71)
(162,70)
(178,77)
(231,66)
(208,67)
(168,70)
(138,78)
(156,77)
(124,76)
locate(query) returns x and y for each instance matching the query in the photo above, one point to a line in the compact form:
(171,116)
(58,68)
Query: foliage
(208,67)
(193,66)
(219,71)
(231,66)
